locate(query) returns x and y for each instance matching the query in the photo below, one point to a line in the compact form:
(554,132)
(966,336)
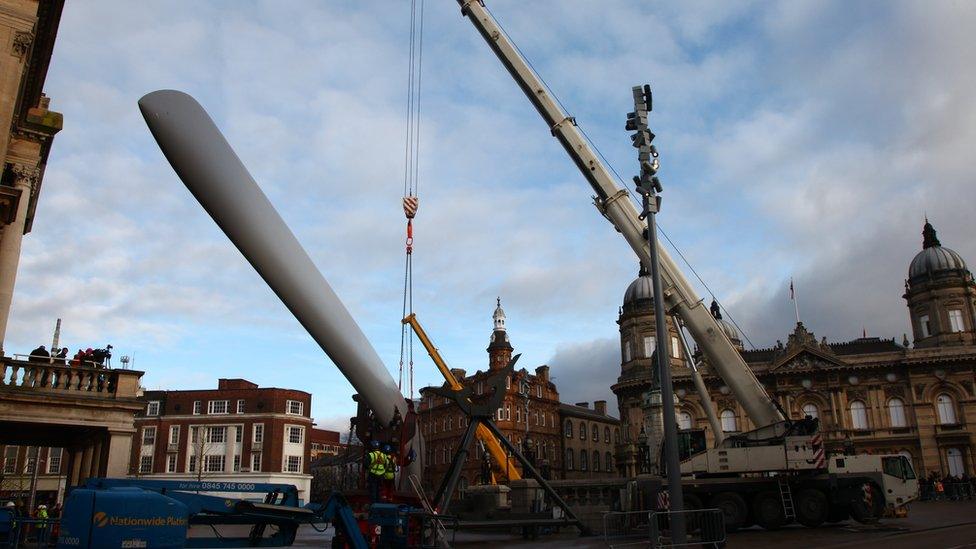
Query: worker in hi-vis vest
(376,470)
(390,474)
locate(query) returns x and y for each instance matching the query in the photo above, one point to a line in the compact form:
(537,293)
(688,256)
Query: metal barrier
(28,532)
(705,527)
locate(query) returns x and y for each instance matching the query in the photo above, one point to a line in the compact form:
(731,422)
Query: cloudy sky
(803,139)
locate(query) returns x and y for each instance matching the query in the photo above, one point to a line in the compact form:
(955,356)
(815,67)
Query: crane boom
(614,203)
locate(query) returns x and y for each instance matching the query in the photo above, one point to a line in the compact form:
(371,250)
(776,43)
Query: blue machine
(157,514)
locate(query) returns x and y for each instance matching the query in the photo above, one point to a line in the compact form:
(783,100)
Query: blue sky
(802,139)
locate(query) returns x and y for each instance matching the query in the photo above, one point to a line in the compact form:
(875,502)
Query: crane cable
(411,180)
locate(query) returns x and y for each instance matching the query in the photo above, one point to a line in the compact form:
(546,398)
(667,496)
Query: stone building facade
(876,395)
(589,436)
(238,432)
(528,416)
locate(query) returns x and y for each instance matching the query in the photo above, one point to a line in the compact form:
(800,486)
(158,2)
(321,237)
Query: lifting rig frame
(480,416)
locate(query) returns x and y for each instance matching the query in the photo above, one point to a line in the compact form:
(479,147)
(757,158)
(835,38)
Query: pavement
(931,525)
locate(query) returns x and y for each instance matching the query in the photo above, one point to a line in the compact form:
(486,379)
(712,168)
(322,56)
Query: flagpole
(796,308)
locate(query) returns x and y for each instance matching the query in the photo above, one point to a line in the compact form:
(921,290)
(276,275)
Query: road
(932,525)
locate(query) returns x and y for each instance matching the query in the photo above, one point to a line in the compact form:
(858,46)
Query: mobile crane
(751,476)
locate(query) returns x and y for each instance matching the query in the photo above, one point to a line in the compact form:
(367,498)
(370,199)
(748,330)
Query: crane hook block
(410,205)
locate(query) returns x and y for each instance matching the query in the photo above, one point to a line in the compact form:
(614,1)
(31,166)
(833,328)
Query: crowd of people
(96,358)
(947,488)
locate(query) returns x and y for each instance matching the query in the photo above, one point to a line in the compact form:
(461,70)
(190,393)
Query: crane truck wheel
(734,509)
(767,508)
(812,508)
(867,503)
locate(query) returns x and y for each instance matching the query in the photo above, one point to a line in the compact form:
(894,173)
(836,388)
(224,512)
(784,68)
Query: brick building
(589,435)
(529,412)
(17,468)
(324,443)
(237,432)
(916,399)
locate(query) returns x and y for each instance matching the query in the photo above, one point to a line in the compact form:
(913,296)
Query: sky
(803,140)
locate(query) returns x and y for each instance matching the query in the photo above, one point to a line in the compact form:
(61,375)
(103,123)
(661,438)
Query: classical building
(589,436)
(27,31)
(528,415)
(238,432)
(877,395)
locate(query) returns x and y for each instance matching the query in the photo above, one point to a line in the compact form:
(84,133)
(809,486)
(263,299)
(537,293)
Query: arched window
(684,420)
(626,351)
(582,460)
(896,412)
(954,460)
(616,435)
(947,409)
(729,422)
(606,435)
(810,409)
(582,430)
(596,461)
(859,415)
(569,428)
(518,414)
(609,462)
(595,433)
(569,459)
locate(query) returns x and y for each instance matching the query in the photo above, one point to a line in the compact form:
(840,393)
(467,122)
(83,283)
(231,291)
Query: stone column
(119,453)
(25,177)
(230,448)
(86,461)
(96,462)
(76,459)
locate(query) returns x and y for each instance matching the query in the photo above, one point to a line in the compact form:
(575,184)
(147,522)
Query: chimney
(600,406)
(542,372)
(459,374)
(224,384)
(583,404)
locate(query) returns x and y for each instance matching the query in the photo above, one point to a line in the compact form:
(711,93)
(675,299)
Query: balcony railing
(73,380)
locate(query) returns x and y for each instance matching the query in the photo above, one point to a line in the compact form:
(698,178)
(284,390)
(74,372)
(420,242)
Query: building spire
(499,316)
(929,239)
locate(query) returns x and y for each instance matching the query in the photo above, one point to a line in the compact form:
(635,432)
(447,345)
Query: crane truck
(753,476)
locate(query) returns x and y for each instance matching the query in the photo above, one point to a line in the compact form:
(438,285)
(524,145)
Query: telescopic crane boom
(615,204)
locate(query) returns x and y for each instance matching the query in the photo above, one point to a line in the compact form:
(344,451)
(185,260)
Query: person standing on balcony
(39,354)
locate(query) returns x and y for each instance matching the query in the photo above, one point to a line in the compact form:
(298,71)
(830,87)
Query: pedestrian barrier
(705,527)
(29,533)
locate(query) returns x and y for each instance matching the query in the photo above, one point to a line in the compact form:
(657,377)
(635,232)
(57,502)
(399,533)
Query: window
(675,347)
(608,460)
(955,462)
(31,458)
(295,408)
(538,391)
(293,464)
(238,433)
(650,345)
(810,409)
(237,463)
(947,410)
(616,435)
(480,387)
(569,428)
(255,463)
(444,424)
(197,407)
(171,463)
(258,433)
(217,434)
(859,415)
(627,351)
(582,460)
(595,433)
(145,464)
(217,407)
(729,422)
(535,415)
(240,406)
(148,436)
(54,460)
(606,435)
(10,460)
(923,324)
(569,459)
(508,412)
(896,412)
(684,420)
(214,464)
(192,464)
(955,320)
(518,414)
(152,409)
(194,435)
(582,430)
(508,382)
(296,434)
(174,434)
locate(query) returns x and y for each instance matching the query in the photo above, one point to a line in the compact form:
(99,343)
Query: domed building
(871,394)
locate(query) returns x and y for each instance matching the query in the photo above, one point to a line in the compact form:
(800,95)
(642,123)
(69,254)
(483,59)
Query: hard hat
(42,506)
(11,504)
(374,444)
(387,448)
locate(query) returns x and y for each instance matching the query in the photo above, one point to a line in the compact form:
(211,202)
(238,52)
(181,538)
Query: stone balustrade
(71,380)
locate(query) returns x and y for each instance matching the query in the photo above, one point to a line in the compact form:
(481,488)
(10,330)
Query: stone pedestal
(488,498)
(524,495)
